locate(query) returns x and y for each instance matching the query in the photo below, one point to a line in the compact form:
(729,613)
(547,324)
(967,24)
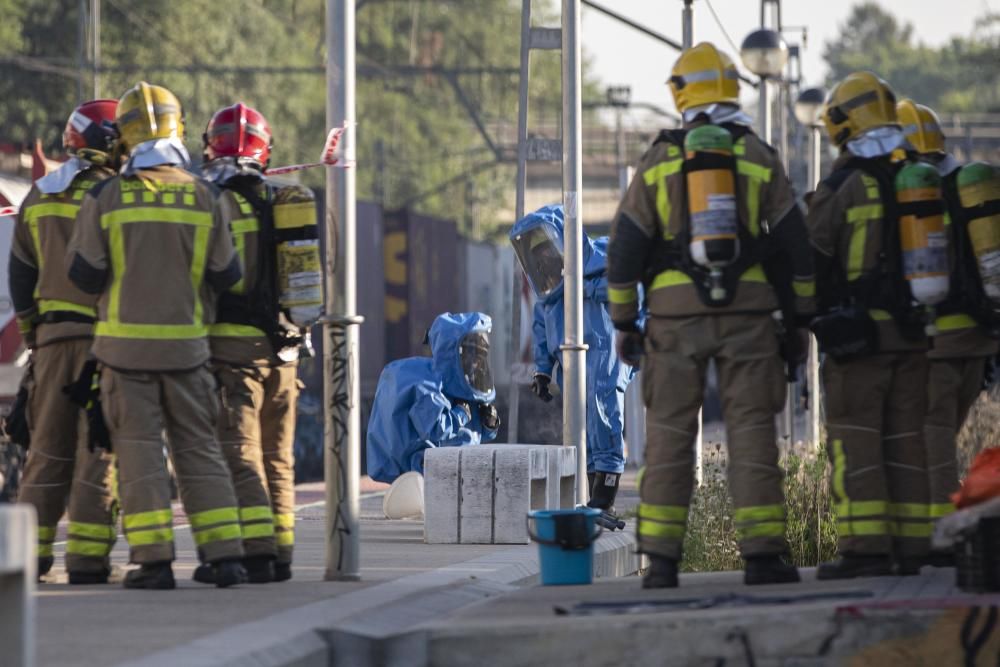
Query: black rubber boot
(44,565)
(942,559)
(228,573)
(152,576)
(772,569)
(282,571)
(662,573)
(85,578)
(603,491)
(853,566)
(259,569)
(909,566)
(204,574)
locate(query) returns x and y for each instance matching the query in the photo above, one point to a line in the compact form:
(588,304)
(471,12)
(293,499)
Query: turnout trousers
(952,388)
(875,413)
(138,406)
(752,388)
(61,469)
(257,433)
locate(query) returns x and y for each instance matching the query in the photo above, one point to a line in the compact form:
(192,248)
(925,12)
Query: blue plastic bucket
(565,544)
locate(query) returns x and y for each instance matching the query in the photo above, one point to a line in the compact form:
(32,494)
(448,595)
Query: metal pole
(815,388)
(573,348)
(688,22)
(514,391)
(765,110)
(341,384)
(95,34)
(81,47)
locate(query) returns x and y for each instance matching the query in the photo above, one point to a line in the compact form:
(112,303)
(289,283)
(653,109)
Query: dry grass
(710,543)
(982,428)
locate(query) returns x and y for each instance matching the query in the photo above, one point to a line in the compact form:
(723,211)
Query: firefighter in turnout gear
(872,330)
(967,322)
(154,244)
(56,320)
(261,323)
(711,227)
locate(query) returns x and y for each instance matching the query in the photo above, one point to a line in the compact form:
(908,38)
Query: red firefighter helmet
(90,131)
(239,132)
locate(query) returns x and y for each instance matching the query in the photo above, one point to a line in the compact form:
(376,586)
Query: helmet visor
(540,252)
(474,351)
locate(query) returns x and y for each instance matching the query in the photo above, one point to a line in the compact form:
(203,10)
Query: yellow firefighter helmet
(147,112)
(704,75)
(921,126)
(857,104)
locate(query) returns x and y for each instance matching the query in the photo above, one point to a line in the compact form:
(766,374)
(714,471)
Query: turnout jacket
(846,221)
(156,249)
(653,211)
(49,306)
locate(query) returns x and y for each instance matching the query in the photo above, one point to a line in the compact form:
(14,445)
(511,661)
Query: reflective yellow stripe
(258,530)
(24,326)
(218,534)
(759,513)
(256,513)
(86,548)
(766,529)
(623,296)
(638,478)
(861,508)
(244,225)
(804,288)
(284,520)
(879,315)
(144,519)
(44,550)
(909,510)
(848,528)
(240,228)
(954,322)
(656,176)
(921,530)
(209,517)
(33,213)
(98,530)
(292,216)
(46,533)
(240,244)
(668,530)
(757,175)
(138,538)
(755,274)
(672,277)
(859,234)
(116,243)
(245,207)
(663,512)
(234,331)
(285,539)
(151,331)
(198,261)
(53,305)
(755,171)
(938,510)
(839,464)
(154,214)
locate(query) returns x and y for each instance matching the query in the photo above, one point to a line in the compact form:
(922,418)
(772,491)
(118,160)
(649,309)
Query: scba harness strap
(675,253)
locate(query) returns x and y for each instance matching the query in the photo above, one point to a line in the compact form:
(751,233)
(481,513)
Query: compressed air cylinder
(712,207)
(979,193)
(922,232)
(300,277)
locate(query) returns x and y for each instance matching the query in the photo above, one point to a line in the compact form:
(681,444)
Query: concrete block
(441,495)
(475,521)
(481,494)
(18,536)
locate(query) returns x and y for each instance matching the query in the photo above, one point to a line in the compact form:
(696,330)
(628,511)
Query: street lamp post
(808,108)
(764,53)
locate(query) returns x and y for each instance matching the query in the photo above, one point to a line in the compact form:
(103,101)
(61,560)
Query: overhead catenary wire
(718,22)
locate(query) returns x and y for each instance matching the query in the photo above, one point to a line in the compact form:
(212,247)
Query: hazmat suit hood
(453,334)
(551,217)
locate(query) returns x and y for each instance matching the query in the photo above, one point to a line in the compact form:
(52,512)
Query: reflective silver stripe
(709,75)
(79,121)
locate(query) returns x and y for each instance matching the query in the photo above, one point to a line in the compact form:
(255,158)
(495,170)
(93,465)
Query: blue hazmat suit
(607,376)
(418,402)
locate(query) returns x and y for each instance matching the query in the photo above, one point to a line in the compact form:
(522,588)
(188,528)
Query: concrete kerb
(363,622)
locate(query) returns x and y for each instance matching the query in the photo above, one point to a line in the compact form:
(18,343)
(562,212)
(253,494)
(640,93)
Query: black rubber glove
(464,406)
(630,347)
(540,386)
(489,416)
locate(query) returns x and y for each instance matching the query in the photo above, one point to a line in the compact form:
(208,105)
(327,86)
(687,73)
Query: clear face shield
(474,351)
(540,252)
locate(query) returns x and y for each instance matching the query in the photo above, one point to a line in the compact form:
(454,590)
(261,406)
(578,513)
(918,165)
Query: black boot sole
(87,578)
(764,579)
(860,573)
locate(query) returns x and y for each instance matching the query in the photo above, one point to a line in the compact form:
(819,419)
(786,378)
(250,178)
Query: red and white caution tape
(327,157)
(8,210)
